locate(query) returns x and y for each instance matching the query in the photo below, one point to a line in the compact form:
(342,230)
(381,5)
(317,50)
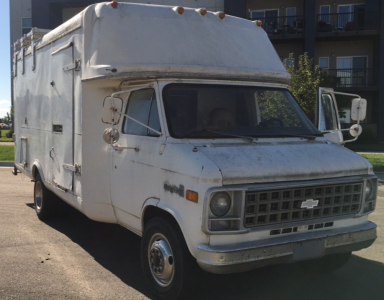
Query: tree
(305,82)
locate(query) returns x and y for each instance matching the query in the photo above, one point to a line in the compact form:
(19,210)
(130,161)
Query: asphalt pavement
(76,258)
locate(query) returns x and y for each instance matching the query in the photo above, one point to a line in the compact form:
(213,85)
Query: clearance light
(202,11)
(259,23)
(179,9)
(192,196)
(220,15)
(114,4)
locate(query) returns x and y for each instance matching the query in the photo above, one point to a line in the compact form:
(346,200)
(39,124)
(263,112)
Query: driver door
(327,115)
(135,175)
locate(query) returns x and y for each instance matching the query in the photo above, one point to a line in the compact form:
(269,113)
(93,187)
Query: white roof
(140,40)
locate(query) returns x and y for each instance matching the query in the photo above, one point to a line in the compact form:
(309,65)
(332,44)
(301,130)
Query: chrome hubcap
(160,259)
(38,196)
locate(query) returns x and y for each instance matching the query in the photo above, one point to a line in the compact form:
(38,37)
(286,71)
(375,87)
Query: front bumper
(292,248)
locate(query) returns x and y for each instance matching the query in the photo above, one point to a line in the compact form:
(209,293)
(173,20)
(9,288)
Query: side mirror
(111,136)
(358,108)
(355,130)
(111,110)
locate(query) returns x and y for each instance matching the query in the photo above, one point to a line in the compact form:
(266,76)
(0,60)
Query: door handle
(50,153)
(118,148)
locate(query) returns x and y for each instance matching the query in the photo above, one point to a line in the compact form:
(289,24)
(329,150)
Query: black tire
(327,263)
(45,201)
(159,234)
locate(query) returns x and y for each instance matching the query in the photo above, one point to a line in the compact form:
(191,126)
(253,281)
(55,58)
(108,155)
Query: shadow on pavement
(118,250)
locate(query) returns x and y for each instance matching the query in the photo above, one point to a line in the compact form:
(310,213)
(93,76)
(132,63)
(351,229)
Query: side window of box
(142,106)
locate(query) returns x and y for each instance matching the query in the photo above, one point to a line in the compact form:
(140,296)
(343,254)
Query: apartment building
(342,36)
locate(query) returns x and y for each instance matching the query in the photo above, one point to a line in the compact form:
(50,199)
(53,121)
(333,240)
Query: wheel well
(153,211)
(35,171)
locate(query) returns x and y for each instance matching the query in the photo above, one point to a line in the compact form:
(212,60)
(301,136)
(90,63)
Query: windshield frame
(310,126)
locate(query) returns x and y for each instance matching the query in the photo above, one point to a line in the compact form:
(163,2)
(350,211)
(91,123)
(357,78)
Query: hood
(285,161)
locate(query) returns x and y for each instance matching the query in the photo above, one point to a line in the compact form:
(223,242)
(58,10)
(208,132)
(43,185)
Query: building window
(26,25)
(351,71)
(291,15)
(324,13)
(270,19)
(324,63)
(351,16)
(345,15)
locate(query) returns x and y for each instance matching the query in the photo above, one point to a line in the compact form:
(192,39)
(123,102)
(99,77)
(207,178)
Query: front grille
(284,205)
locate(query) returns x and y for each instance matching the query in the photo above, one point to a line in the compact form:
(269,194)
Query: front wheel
(167,264)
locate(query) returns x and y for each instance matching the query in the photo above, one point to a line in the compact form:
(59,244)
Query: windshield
(219,111)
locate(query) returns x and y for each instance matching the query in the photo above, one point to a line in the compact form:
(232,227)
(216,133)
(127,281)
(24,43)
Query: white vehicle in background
(201,149)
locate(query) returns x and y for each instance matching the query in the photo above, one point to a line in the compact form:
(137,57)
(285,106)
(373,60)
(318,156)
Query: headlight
(220,204)
(368,189)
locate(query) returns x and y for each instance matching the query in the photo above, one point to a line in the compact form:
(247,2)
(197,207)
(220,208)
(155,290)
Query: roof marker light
(179,9)
(114,4)
(220,15)
(202,11)
(259,23)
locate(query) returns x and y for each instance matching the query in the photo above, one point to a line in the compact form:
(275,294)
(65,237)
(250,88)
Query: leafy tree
(305,82)
(274,104)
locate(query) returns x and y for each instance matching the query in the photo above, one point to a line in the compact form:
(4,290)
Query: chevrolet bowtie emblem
(309,203)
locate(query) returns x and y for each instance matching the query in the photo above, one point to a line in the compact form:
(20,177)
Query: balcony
(348,22)
(362,79)
(280,27)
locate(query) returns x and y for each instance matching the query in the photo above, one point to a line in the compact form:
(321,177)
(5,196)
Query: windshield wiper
(308,137)
(248,138)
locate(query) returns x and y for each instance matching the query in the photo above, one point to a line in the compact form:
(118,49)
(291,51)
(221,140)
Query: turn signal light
(179,9)
(220,15)
(202,11)
(192,196)
(114,4)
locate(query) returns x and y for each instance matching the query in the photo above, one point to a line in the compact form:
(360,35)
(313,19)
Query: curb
(6,163)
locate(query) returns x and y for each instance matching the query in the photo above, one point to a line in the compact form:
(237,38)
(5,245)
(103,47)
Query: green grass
(6,140)
(7,153)
(3,137)
(377,161)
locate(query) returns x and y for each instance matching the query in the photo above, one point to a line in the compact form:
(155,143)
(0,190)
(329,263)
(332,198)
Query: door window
(323,63)
(351,71)
(269,17)
(325,13)
(328,118)
(142,106)
(291,15)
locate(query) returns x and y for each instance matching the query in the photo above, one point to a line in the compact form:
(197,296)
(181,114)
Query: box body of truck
(240,196)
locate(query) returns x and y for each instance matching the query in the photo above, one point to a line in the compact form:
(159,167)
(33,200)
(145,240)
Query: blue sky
(5,49)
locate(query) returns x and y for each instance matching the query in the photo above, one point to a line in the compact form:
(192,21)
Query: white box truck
(177,124)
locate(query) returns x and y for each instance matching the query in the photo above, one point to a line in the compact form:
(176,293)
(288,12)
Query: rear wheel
(167,264)
(44,200)
(327,263)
